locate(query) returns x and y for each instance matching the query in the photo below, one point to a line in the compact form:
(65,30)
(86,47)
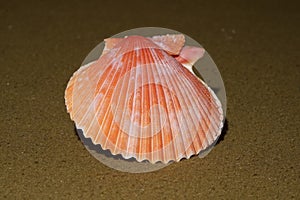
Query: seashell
(141,99)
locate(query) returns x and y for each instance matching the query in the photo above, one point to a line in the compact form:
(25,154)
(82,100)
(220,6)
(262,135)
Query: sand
(254,44)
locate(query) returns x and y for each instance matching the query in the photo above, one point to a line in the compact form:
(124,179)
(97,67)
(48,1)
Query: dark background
(255,44)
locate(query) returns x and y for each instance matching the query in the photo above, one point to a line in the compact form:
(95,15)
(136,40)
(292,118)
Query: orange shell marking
(137,100)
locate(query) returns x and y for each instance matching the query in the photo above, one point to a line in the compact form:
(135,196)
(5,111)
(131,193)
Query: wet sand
(256,47)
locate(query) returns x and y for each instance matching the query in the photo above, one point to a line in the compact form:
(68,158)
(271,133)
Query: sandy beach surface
(255,45)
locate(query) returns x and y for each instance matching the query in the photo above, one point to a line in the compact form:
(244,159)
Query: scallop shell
(140,99)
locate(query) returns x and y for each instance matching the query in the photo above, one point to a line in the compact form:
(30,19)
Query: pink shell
(139,100)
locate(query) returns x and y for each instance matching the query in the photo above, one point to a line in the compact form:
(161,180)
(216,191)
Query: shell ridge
(160,118)
(154,154)
(153,112)
(114,111)
(144,59)
(100,104)
(185,117)
(181,120)
(217,102)
(113,63)
(92,122)
(161,74)
(93,69)
(191,109)
(215,128)
(136,108)
(129,143)
(92,105)
(113,69)
(130,57)
(73,81)
(150,97)
(207,122)
(189,86)
(203,110)
(183,94)
(82,100)
(69,95)
(131,118)
(142,101)
(80,104)
(148,61)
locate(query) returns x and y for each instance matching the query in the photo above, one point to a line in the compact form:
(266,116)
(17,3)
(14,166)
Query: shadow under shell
(117,161)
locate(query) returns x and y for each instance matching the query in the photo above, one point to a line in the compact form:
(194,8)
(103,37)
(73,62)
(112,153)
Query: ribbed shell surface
(139,101)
